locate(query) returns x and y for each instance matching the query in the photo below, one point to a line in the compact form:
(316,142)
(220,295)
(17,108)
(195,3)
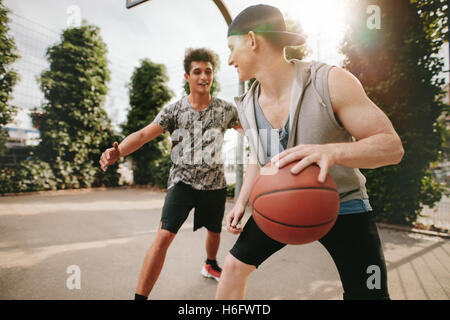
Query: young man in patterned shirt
(197,124)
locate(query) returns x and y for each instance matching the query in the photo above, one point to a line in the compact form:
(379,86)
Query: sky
(158,30)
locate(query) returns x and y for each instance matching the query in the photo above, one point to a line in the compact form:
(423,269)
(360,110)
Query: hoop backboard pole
(224,11)
(133,3)
(239,155)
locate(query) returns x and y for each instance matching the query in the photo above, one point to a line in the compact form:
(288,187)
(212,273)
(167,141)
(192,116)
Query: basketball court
(106,233)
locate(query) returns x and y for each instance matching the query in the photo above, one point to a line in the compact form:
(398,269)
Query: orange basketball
(293,209)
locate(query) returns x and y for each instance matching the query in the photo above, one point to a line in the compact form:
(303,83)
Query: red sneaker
(211,270)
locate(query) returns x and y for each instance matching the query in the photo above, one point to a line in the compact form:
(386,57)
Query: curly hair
(200,54)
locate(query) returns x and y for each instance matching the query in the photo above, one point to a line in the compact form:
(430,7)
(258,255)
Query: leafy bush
(230,190)
(74,127)
(148,94)
(28,175)
(399,67)
(8,77)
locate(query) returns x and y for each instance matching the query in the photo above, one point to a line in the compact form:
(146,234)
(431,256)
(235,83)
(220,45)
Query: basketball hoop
(133,3)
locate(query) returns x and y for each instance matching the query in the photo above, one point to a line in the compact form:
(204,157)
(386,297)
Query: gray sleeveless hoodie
(313,123)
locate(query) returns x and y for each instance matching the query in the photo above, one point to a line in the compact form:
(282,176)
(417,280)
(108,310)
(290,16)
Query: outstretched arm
(130,144)
(239,129)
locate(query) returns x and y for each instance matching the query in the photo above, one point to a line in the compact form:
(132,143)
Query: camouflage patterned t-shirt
(197,138)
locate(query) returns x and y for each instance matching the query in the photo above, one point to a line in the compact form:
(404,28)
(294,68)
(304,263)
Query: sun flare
(324,23)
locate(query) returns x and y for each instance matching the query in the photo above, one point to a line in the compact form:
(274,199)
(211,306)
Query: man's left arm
(377,143)
(239,129)
(234,121)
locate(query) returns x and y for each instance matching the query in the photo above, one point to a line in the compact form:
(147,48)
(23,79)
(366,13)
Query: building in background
(20,137)
(20,144)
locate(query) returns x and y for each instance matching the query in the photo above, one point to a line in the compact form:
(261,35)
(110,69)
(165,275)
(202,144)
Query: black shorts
(353,243)
(181,198)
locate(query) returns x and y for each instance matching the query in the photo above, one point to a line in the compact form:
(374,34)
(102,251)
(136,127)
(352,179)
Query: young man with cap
(197,124)
(321,115)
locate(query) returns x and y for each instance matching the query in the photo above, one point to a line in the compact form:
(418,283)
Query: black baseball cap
(264,19)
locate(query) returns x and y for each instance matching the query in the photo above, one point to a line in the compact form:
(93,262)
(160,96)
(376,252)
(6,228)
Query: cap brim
(293,39)
(290,38)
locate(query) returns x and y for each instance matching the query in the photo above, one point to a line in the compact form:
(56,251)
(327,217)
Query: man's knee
(213,235)
(164,239)
(236,267)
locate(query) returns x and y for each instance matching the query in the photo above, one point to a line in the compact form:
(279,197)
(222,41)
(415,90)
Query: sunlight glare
(324,23)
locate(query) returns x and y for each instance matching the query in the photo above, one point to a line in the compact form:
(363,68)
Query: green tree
(8,77)
(148,92)
(296,52)
(74,127)
(398,66)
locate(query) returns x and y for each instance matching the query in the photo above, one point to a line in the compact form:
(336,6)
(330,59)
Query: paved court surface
(106,233)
